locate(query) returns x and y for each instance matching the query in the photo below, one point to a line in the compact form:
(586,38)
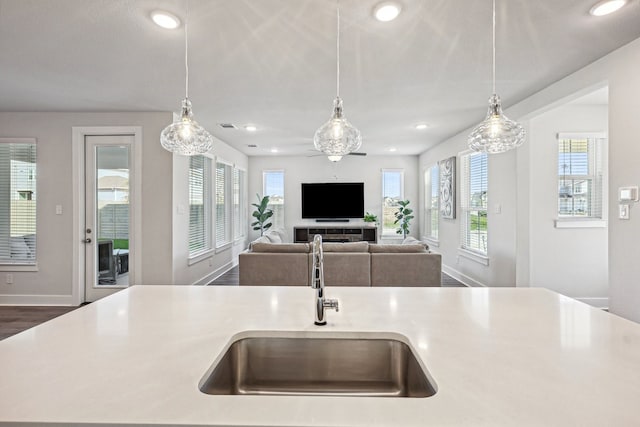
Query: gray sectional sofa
(268,262)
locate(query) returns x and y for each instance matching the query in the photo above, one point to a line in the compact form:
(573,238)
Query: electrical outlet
(9,279)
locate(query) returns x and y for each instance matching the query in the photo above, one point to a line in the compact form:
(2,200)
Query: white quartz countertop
(499,357)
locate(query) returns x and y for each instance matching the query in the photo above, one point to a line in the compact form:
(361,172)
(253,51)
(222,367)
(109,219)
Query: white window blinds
(223,204)
(18,197)
(473,197)
(239,210)
(432,202)
(199,205)
(580,177)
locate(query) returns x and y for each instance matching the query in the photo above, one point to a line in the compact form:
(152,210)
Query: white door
(108,214)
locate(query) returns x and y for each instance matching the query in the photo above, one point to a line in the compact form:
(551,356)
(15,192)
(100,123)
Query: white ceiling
(272,62)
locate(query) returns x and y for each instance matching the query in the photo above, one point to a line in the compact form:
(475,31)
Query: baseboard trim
(215,274)
(462,278)
(60,300)
(601,303)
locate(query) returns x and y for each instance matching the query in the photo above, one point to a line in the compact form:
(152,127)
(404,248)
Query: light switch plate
(624,212)
(628,194)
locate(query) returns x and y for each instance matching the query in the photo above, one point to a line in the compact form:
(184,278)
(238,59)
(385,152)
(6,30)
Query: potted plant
(369,217)
(403,218)
(261,214)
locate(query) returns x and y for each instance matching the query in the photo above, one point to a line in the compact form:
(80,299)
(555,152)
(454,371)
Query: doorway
(106,220)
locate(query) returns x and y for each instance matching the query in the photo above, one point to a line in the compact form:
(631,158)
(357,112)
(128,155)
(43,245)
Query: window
(392,193)
(474,202)
(432,203)
(239,210)
(223,204)
(580,184)
(18,198)
(273,186)
(199,205)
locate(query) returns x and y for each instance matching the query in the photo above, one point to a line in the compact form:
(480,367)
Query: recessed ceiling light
(387,11)
(250,128)
(165,19)
(421,126)
(606,7)
(392,149)
(274,150)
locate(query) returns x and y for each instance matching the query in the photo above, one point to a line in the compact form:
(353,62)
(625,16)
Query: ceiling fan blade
(356,153)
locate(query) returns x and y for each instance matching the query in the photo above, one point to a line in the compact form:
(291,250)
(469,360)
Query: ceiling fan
(319,153)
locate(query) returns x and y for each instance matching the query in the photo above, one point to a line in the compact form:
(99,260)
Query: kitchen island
(498,357)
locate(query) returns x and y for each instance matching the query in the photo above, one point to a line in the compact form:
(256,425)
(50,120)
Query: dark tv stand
(332,233)
(332,220)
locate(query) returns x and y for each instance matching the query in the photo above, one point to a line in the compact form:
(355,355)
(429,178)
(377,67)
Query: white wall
(501,246)
(318,169)
(219,261)
(52,283)
(571,261)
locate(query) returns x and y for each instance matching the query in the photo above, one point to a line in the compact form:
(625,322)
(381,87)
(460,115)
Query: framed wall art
(448,187)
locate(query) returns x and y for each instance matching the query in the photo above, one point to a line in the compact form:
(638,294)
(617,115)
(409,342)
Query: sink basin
(317,365)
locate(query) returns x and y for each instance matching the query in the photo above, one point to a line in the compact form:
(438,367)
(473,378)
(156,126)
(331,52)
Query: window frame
(429,207)
(466,207)
(197,256)
(227,241)
(385,233)
(240,222)
(596,163)
(26,264)
(278,218)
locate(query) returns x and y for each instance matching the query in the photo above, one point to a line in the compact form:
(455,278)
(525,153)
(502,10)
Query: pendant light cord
(186,51)
(338,50)
(494,47)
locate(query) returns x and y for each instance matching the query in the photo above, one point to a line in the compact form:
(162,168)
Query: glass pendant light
(337,137)
(497,133)
(185,136)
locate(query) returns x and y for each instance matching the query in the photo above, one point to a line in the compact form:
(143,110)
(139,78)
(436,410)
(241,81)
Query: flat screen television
(334,200)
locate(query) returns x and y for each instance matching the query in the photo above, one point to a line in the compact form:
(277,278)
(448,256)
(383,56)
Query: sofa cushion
(280,247)
(276,235)
(397,248)
(261,239)
(410,240)
(346,247)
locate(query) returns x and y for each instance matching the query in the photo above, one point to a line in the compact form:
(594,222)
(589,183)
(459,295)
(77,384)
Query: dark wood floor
(14,319)
(232,278)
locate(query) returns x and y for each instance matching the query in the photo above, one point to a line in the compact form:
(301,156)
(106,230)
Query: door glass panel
(112,226)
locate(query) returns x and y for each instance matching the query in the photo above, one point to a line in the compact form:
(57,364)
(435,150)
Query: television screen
(333,200)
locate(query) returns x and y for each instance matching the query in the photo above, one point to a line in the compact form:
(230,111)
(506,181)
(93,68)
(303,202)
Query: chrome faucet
(317,283)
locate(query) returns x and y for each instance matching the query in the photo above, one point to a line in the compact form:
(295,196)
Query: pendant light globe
(337,137)
(497,133)
(185,136)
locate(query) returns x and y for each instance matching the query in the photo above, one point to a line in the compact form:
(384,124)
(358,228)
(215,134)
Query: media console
(332,233)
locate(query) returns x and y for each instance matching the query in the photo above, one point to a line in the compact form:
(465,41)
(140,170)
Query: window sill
(224,247)
(580,223)
(473,256)
(200,257)
(19,267)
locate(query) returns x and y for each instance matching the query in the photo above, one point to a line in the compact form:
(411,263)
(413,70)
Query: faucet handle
(332,304)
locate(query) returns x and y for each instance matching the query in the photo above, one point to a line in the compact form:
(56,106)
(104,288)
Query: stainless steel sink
(344,366)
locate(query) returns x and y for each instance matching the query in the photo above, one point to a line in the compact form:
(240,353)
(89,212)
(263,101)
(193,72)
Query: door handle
(87,240)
